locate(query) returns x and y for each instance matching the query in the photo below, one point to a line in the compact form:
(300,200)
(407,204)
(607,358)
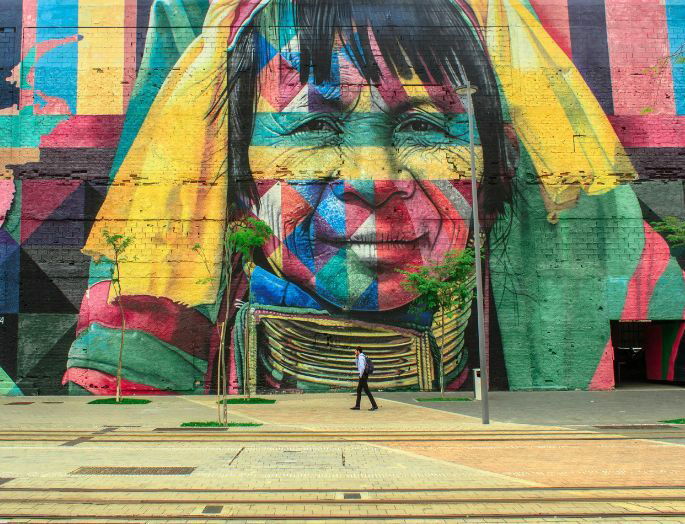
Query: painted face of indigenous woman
(358,181)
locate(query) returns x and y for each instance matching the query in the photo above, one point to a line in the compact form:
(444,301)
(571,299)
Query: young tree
(242,235)
(444,287)
(118,243)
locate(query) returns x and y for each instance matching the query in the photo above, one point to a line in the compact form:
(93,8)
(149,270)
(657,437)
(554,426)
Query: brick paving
(313,459)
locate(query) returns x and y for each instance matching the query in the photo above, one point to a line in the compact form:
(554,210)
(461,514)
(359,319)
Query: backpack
(369,366)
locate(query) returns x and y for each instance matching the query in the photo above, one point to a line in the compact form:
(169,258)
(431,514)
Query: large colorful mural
(340,124)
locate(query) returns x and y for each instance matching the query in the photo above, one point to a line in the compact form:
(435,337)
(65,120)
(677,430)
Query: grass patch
(125,400)
(253,400)
(674,421)
(444,399)
(215,424)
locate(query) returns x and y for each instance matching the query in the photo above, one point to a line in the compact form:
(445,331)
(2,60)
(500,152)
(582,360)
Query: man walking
(363,368)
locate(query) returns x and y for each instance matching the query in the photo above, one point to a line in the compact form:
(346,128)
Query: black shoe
(373,408)
(355,407)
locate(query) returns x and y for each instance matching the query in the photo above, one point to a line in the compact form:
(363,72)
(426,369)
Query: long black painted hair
(433,39)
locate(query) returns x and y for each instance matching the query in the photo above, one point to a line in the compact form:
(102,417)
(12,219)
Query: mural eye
(419,125)
(317,125)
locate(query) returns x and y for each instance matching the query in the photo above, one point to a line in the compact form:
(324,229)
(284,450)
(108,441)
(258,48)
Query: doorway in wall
(648,352)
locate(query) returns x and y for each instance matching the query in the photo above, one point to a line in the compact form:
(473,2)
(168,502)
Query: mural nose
(374,193)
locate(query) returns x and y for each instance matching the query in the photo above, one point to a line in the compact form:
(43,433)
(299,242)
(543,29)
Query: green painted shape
(668,298)
(556,286)
(12,222)
(38,333)
(669,333)
(26,129)
(7,386)
(147,360)
(333,277)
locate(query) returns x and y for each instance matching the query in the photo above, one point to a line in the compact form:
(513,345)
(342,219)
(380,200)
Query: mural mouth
(387,239)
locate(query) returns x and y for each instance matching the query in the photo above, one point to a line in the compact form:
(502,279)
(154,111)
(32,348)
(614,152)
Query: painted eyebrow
(413,103)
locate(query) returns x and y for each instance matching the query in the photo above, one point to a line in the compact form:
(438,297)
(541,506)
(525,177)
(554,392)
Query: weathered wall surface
(344,131)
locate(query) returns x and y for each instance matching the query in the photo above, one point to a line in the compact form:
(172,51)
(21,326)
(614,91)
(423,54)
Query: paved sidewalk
(315,459)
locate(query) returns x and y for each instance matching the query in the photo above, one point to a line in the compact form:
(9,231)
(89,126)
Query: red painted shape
(459,381)
(654,351)
(39,199)
(670,375)
(603,379)
(99,383)
(86,131)
(180,326)
(641,75)
(655,257)
(553,15)
(649,130)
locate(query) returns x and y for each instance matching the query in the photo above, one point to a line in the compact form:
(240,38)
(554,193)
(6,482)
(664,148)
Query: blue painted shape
(269,290)
(265,51)
(9,273)
(310,190)
(675,17)
(332,210)
(56,70)
(299,243)
(368,301)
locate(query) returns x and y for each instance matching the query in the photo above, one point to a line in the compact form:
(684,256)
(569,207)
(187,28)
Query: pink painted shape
(603,379)
(655,257)
(99,383)
(6,197)
(100,131)
(670,375)
(553,15)
(39,199)
(634,87)
(649,130)
(180,326)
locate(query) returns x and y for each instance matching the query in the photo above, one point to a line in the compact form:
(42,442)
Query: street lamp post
(468,90)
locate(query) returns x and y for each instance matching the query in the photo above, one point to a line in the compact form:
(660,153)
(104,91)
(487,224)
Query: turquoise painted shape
(26,129)
(147,360)
(557,286)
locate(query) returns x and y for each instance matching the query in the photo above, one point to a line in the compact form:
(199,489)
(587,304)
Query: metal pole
(479,270)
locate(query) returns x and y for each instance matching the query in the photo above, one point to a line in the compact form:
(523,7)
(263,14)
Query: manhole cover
(123,470)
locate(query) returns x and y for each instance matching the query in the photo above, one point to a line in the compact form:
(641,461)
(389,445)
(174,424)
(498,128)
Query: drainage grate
(352,496)
(117,470)
(636,426)
(18,403)
(212,510)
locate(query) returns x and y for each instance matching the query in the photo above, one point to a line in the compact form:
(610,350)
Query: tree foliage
(445,285)
(673,229)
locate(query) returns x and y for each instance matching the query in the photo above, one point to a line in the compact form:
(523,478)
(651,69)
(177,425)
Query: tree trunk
(123,332)
(442,353)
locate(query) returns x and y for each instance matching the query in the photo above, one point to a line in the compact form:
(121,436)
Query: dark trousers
(363,384)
